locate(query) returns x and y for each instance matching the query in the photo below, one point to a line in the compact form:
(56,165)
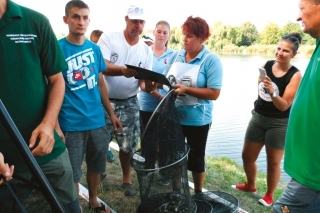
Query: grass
(221,174)
(111,192)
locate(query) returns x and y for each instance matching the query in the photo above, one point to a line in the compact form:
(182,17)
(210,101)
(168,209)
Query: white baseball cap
(135,12)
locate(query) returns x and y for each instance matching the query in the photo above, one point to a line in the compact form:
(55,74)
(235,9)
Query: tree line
(246,38)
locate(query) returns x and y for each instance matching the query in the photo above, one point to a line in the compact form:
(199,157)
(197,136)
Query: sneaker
(244,187)
(267,200)
(164,181)
(110,156)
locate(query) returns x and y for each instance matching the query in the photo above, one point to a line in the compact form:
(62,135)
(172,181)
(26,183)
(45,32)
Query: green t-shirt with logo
(29,52)
(302,155)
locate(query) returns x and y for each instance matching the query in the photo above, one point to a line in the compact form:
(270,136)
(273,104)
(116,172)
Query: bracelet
(151,92)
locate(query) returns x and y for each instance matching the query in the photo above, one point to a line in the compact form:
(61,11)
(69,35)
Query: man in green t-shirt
(302,155)
(32,90)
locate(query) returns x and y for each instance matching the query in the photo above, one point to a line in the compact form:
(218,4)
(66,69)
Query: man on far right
(302,155)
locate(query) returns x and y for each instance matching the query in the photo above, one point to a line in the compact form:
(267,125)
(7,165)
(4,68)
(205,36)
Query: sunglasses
(147,37)
(290,37)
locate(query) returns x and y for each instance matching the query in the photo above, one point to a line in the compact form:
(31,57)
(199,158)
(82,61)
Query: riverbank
(263,50)
(221,174)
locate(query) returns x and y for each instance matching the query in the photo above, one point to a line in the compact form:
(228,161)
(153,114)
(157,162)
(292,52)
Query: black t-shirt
(264,104)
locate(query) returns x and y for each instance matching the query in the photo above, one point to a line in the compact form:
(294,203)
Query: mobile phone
(263,73)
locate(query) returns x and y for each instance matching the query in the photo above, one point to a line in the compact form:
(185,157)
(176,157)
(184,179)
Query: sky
(109,15)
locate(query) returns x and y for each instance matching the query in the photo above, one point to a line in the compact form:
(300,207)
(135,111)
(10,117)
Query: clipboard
(145,74)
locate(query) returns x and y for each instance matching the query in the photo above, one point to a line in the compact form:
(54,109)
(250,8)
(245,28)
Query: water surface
(232,110)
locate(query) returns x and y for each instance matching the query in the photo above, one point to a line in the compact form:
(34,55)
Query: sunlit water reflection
(232,111)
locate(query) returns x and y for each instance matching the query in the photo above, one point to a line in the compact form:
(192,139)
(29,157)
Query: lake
(232,110)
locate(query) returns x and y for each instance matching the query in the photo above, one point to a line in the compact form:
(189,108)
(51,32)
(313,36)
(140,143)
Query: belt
(115,99)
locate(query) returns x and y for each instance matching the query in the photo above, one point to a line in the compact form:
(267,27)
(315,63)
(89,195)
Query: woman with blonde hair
(161,57)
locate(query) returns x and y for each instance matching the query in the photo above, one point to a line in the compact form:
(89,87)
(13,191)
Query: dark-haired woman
(268,124)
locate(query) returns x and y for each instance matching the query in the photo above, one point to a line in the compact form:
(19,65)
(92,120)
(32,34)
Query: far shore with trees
(244,39)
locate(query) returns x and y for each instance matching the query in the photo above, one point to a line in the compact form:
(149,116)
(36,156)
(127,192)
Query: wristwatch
(274,94)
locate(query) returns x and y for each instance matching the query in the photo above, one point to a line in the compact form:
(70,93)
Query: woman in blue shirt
(161,55)
(198,78)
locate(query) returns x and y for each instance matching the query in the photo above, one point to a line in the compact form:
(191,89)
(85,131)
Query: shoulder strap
(289,75)
(268,66)
(176,56)
(204,58)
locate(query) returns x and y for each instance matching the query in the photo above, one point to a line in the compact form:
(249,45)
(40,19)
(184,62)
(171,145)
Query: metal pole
(35,169)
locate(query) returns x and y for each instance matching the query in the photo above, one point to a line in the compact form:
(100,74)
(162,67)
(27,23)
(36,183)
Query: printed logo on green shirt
(22,38)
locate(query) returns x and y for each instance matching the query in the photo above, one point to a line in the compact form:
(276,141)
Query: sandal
(103,176)
(129,190)
(99,209)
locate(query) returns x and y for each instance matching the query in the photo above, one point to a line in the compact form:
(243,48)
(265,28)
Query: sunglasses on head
(290,37)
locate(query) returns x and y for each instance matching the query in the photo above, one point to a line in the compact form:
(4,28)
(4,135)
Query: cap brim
(137,17)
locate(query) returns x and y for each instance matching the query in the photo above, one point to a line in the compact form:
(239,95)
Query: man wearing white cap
(118,49)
